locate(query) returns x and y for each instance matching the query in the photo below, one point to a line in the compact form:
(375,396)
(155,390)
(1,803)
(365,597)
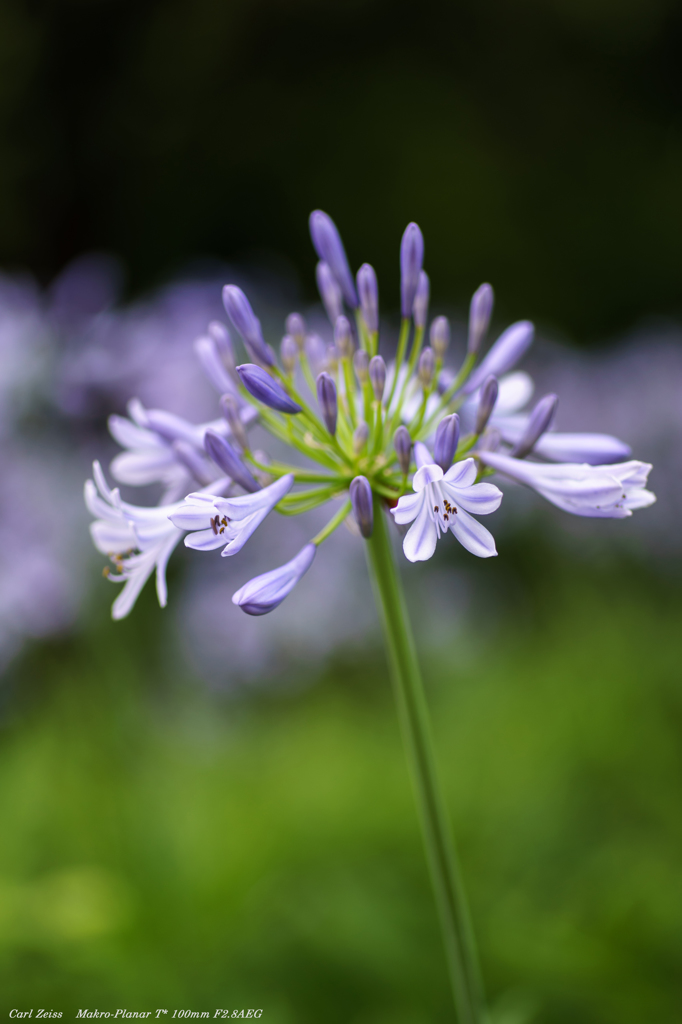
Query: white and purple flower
(446,501)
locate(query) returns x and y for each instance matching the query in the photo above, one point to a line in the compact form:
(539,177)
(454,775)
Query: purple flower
(480,311)
(329,247)
(420,306)
(402,442)
(377,376)
(445,445)
(486,403)
(239,310)
(329,290)
(264,593)
(442,502)
(439,336)
(326,397)
(226,523)
(227,459)
(361,500)
(368,290)
(602,492)
(538,422)
(261,385)
(505,353)
(411,259)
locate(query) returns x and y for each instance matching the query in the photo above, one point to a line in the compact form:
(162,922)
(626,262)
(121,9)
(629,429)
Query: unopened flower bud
(329,290)
(427,367)
(288,350)
(316,351)
(360,437)
(539,421)
(480,311)
(361,500)
(402,442)
(295,326)
(411,259)
(227,459)
(445,446)
(262,386)
(361,365)
(263,593)
(239,310)
(420,306)
(343,336)
(329,247)
(486,403)
(326,399)
(368,290)
(511,345)
(440,336)
(229,406)
(377,376)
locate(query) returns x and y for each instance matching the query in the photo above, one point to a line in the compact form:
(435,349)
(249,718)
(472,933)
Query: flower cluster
(412,435)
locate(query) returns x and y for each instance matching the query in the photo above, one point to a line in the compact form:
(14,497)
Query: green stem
(459,943)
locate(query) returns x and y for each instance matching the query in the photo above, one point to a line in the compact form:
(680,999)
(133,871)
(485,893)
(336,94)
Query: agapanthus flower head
(413,437)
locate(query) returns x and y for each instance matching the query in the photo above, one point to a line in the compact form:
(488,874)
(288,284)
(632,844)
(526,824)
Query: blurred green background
(164,846)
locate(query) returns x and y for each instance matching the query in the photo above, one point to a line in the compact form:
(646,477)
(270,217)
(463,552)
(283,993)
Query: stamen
(214,524)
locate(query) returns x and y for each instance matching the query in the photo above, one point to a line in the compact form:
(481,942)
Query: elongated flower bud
(411,259)
(539,421)
(427,367)
(288,351)
(439,336)
(361,500)
(343,336)
(326,398)
(191,459)
(402,442)
(329,290)
(261,385)
(480,311)
(360,437)
(368,290)
(377,376)
(329,247)
(486,403)
(506,351)
(295,326)
(420,306)
(239,310)
(445,446)
(229,407)
(263,593)
(361,365)
(227,459)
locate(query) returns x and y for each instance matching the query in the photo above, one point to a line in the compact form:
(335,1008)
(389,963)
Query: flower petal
(462,474)
(473,536)
(481,499)
(246,504)
(204,540)
(420,540)
(408,507)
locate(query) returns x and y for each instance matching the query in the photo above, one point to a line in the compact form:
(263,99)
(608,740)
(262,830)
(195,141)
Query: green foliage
(165,847)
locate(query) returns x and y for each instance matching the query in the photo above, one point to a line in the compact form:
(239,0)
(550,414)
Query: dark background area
(538,144)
